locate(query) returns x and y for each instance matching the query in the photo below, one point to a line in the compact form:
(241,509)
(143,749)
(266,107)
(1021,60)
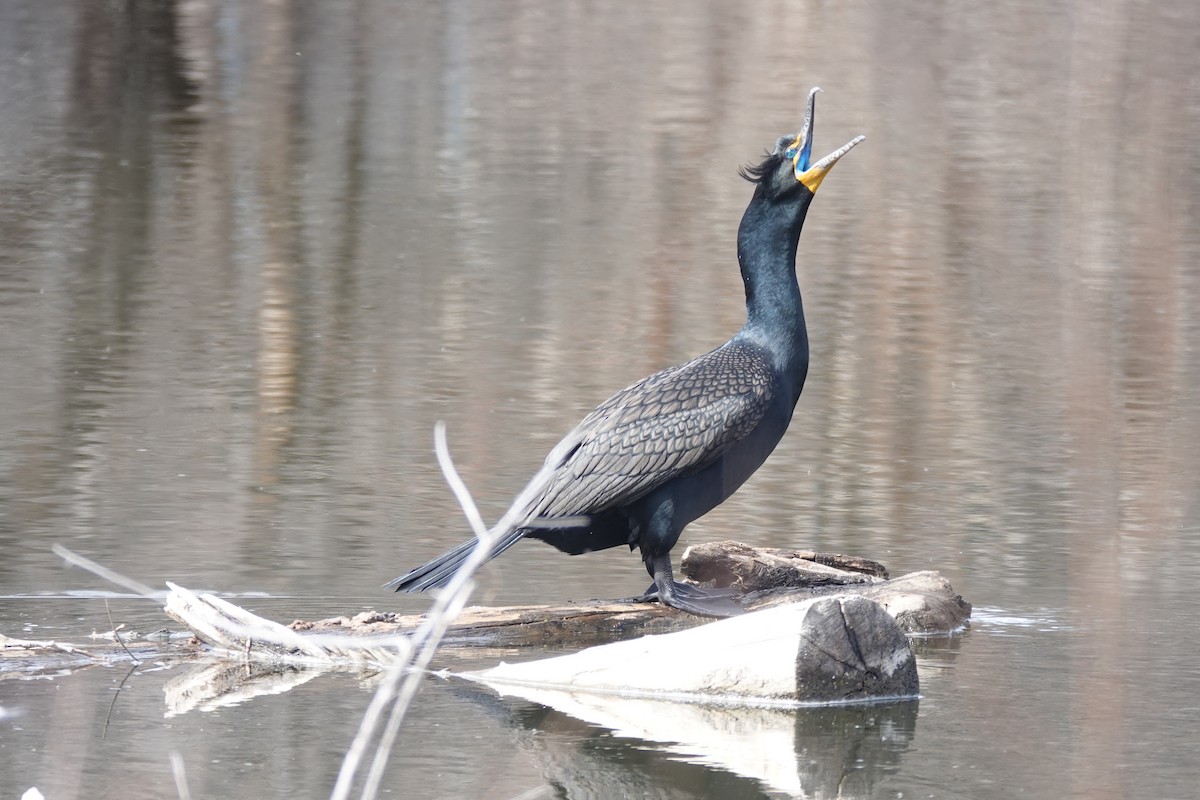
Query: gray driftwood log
(920,602)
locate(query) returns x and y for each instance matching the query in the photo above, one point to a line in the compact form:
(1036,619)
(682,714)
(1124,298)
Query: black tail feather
(438,572)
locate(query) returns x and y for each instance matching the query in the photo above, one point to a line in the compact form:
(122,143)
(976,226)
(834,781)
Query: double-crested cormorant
(671,447)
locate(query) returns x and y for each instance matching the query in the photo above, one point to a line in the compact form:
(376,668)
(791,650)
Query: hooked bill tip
(831,159)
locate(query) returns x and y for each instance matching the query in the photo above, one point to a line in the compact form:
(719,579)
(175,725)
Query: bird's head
(787,169)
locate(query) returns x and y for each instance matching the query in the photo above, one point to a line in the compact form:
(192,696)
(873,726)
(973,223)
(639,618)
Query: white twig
(223,623)
(401,682)
(104,572)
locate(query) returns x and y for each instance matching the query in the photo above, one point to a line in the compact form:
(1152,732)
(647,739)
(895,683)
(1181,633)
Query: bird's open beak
(811,176)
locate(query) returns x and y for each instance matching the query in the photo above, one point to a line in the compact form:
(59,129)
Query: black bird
(671,447)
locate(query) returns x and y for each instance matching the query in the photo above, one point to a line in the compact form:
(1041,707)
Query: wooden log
(731,563)
(923,603)
(231,629)
(575,624)
(36,657)
(827,650)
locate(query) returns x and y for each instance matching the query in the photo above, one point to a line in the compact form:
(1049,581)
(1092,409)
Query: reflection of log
(819,752)
(209,685)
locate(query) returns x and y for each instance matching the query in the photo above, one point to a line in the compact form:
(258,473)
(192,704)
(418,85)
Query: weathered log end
(853,650)
(923,603)
(843,649)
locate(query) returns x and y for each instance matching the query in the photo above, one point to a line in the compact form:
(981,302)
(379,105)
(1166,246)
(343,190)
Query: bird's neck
(767,242)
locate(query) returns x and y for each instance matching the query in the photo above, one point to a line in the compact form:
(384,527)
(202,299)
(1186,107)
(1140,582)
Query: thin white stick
(401,683)
(220,620)
(104,572)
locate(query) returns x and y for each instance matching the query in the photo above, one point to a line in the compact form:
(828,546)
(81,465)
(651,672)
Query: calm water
(251,252)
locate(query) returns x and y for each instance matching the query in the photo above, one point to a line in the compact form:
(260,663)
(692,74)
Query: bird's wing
(673,422)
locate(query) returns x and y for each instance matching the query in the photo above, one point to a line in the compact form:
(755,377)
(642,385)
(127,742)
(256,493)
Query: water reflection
(249,253)
(701,751)
(588,745)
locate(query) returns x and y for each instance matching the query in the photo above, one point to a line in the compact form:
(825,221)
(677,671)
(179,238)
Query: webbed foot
(692,599)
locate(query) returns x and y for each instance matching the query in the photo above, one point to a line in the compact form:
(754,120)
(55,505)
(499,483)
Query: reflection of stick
(180,775)
(400,684)
(116,694)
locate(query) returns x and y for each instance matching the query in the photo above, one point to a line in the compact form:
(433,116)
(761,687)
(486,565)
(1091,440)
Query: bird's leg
(691,599)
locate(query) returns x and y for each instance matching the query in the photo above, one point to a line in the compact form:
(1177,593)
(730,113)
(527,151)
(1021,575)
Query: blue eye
(790,153)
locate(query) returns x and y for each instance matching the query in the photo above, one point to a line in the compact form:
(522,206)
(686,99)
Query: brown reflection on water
(1126,339)
(272,95)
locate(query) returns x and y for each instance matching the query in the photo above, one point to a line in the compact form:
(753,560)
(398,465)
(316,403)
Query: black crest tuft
(756,172)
